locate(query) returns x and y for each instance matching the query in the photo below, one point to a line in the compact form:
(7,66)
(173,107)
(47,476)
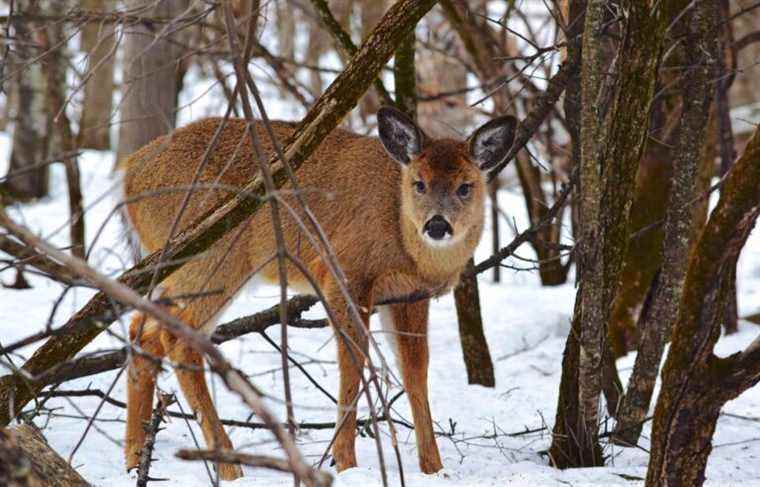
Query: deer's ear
(400,136)
(490,143)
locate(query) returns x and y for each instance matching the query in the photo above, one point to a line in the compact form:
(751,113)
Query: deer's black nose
(437,228)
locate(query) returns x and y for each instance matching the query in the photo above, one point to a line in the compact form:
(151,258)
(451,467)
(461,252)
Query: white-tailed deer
(397,225)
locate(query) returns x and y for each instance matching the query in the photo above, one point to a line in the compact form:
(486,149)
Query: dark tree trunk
(571,444)
(405,77)
(731,316)
(566,451)
(696,384)
(725,77)
(611,144)
(643,258)
(477,357)
(493,191)
(700,53)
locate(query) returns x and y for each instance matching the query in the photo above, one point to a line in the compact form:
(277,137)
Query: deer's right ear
(401,138)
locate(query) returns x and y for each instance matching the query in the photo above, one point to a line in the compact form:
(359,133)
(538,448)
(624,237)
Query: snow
(526,326)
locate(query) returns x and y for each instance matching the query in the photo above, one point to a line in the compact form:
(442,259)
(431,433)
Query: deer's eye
(419,186)
(464,190)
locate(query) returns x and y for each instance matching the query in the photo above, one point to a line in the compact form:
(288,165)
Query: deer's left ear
(490,143)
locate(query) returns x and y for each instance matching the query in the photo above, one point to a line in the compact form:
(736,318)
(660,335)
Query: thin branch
(151,431)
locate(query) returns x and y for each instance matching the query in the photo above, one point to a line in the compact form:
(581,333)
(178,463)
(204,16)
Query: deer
(403,212)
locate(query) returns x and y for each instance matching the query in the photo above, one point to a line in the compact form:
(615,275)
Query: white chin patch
(447,240)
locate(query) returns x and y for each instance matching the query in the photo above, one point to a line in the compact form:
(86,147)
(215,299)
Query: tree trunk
(324,116)
(564,452)
(405,77)
(696,384)
(26,460)
(477,357)
(643,258)
(28,172)
(148,107)
(54,69)
(99,42)
(611,145)
(700,53)
(493,193)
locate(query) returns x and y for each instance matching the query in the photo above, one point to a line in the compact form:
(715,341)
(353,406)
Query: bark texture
(614,122)
(405,77)
(563,451)
(26,460)
(701,52)
(696,383)
(33,133)
(477,357)
(327,112)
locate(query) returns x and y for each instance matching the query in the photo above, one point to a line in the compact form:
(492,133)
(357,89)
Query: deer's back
(349,183)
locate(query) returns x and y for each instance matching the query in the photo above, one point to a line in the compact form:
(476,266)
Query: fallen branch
(28,256)
(26,459)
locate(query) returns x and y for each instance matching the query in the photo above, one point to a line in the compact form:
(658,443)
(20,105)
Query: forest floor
(483,437)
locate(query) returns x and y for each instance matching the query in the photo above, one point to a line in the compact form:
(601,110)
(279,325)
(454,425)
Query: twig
(235,380)
(239,458)
(543,104)
(531,232)
(151,430)
(344,42)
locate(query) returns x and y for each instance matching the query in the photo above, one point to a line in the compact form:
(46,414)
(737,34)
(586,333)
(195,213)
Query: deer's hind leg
(141,382)
(199,290)
(189,368)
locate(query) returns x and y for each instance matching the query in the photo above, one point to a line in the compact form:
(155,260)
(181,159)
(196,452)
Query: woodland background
(620,221)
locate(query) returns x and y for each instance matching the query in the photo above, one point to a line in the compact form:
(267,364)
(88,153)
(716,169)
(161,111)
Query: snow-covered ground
(526,326)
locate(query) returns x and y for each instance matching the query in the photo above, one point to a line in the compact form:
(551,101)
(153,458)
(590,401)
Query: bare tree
(697,383)
(99,42)
(701,53)
(613,126)
(27,176)
(151,67)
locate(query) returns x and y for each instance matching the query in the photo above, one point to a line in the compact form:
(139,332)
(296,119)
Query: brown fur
(373,218)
